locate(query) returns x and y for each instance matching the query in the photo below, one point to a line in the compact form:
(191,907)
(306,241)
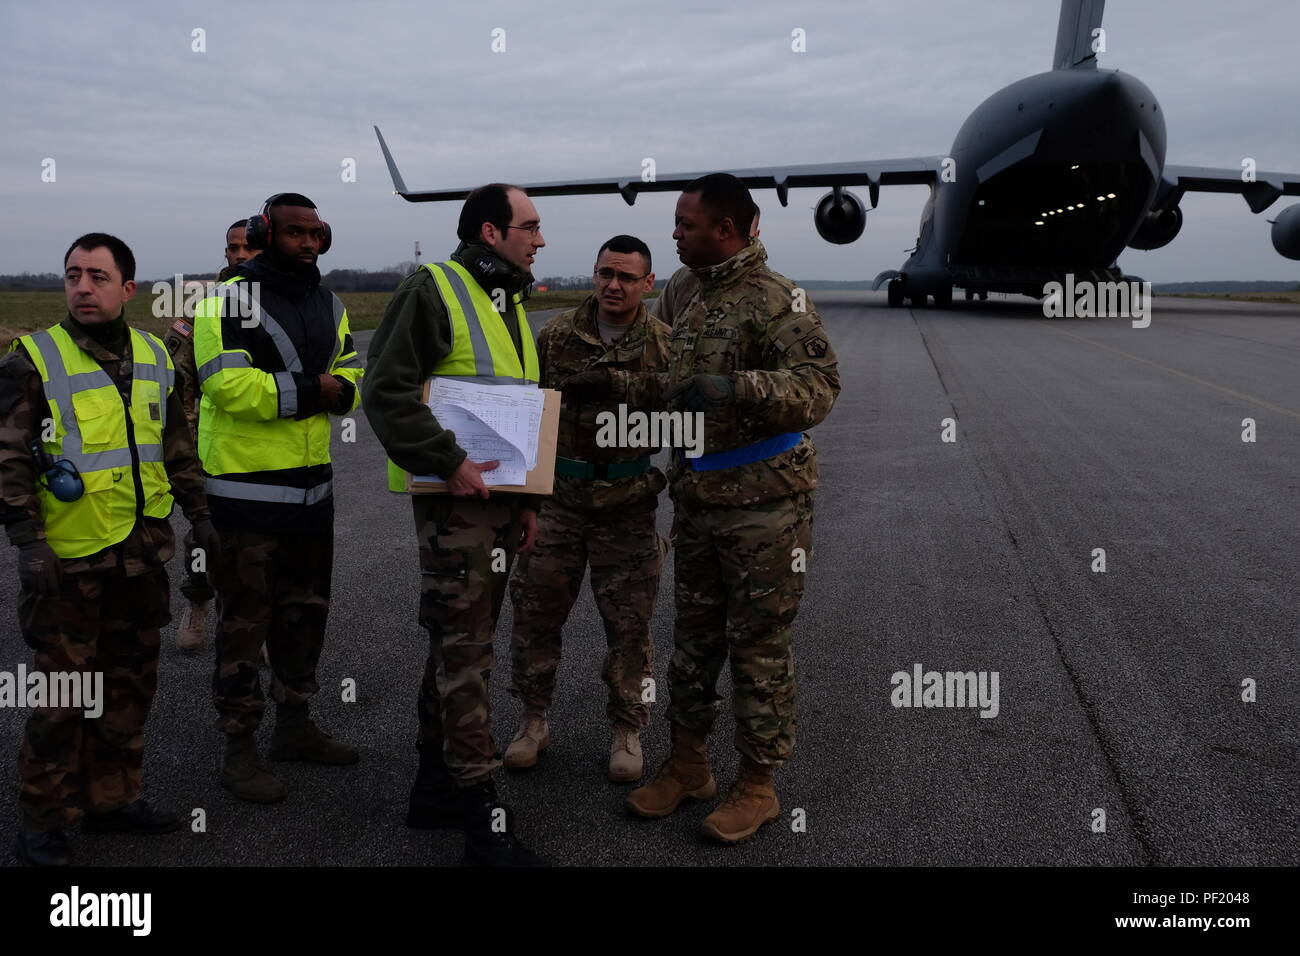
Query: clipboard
(541,480)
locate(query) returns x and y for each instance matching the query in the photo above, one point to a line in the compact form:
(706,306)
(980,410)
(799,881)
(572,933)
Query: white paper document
(492,423)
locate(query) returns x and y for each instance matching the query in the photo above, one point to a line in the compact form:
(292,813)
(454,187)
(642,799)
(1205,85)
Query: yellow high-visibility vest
(109,439)
(481,347)
(246,421)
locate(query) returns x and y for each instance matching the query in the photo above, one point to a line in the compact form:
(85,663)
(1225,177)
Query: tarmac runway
(1118,691)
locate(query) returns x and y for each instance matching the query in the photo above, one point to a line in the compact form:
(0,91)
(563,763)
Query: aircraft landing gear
(984,295)
(970,294)
(918,300)
(895,293)
(943,297)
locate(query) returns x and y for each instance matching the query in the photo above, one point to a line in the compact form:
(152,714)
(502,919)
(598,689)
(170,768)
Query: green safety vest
(246,421)
(481,347)
(97,430)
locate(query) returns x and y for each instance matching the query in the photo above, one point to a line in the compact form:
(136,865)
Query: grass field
(23,312)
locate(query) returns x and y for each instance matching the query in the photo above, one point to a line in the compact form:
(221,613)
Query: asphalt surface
(1118,691)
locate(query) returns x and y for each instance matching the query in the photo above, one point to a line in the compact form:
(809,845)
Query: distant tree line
(381,280)
(387,279)
(338,280)
(31,282)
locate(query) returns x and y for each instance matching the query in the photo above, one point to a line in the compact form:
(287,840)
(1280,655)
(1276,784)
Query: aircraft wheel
(970,294)
(918,300)
(943,297)
(984,296)
(895,293)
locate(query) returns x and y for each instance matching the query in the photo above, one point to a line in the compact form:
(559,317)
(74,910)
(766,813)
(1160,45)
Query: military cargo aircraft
(1053,175)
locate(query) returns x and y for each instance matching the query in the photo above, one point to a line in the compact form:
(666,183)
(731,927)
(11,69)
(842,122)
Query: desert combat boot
(190,635)
(684,775)
(750,803)
(625,760)
(533,737)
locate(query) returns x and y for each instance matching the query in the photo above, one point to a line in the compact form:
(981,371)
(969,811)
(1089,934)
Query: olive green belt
(600,471)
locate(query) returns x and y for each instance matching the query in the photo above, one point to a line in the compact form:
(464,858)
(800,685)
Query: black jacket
(304,308)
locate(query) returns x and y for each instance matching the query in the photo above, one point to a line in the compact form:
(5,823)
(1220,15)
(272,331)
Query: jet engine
(1286,232)
(1157,229)
(840,218)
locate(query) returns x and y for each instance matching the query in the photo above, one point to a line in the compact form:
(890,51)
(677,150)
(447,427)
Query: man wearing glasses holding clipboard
(460,319)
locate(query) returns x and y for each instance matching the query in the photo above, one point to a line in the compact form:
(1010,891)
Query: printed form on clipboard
(492,423)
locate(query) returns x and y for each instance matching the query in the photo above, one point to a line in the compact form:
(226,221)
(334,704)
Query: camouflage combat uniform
(461,591)
(179,342)
(737,587)
(609,523)
(109,612)
(676,293)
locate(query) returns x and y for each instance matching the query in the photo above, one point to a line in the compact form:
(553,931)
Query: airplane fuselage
(1052,175)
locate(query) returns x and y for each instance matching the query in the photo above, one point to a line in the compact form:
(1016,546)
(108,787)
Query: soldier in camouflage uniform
(462,584)
(85,607)
(179,340)
(602,511)
(749,352)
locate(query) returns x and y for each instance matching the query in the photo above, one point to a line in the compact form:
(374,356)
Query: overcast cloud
(164,146)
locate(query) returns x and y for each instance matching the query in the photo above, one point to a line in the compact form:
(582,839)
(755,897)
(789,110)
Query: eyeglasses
(532,230)
(607,275)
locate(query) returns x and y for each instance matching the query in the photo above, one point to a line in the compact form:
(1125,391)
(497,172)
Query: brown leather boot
(533,738)
(684,775)
(749,804)
(190,635)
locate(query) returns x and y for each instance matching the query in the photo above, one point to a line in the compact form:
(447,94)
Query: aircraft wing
(1259,194)
(921,170)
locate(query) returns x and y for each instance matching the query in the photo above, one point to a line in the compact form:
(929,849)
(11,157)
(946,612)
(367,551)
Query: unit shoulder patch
(815,347)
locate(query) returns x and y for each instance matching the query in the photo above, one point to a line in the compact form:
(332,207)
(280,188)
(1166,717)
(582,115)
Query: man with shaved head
(748,353)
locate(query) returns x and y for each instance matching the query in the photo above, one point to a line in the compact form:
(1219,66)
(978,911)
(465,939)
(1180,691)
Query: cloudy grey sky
(164,146)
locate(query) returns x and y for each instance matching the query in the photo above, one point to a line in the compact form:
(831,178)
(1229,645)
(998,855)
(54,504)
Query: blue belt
(747,453)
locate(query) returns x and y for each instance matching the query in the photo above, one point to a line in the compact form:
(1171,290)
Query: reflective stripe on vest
(482,349)
(106,513)
(276,494)
(250,306)
(230,445)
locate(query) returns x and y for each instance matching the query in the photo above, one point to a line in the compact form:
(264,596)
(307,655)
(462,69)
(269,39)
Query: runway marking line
(1191,378)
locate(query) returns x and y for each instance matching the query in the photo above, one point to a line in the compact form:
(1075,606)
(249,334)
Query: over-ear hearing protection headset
(258,231)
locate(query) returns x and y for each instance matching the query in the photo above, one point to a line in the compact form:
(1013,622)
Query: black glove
(701,393)
(207,538)
(39,569)
(346,394)
(586,387)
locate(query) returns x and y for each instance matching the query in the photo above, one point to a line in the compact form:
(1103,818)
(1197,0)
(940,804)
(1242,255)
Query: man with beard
(275,359)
